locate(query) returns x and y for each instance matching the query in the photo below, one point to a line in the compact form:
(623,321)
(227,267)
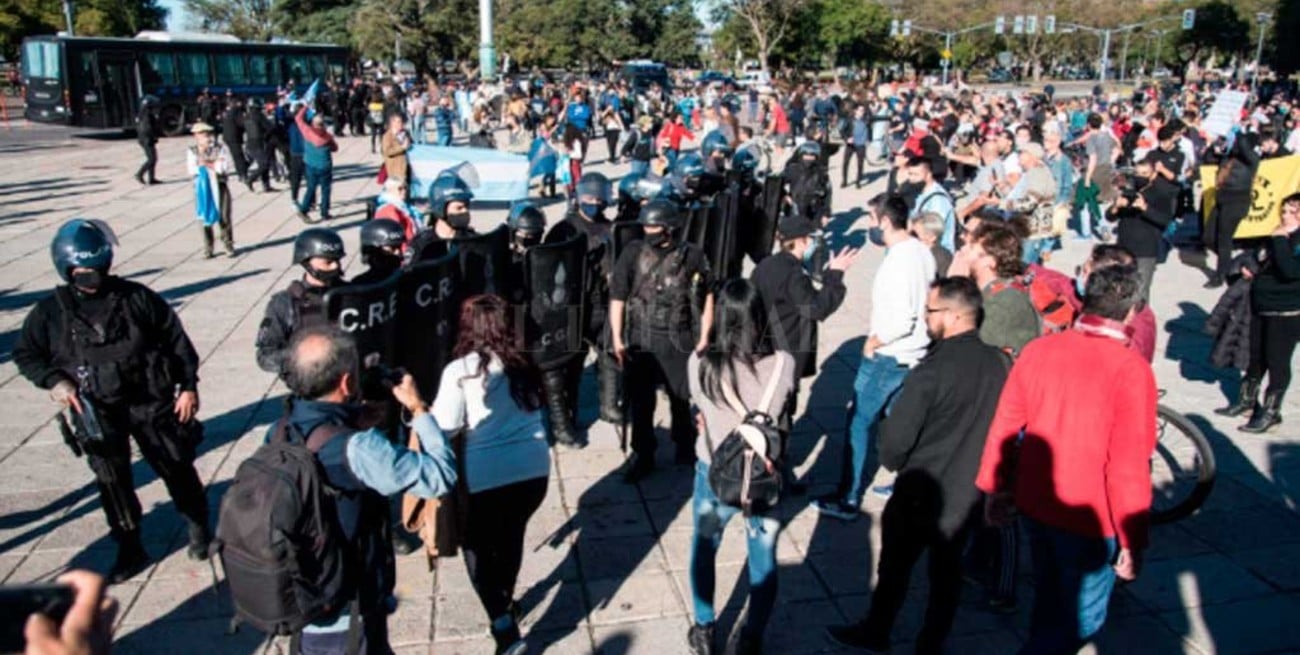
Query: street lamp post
(487,51)
(67,15)
(1262,18)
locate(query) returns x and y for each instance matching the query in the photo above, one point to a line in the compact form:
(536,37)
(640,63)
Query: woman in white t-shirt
(493,392)
(733,364)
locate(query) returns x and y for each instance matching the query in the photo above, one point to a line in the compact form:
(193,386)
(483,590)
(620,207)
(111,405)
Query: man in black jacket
(1143,214)
(934,437)
(258,131)
(146,131)
(232,132)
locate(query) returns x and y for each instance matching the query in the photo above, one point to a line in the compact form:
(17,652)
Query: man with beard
(320,253)
(449,216)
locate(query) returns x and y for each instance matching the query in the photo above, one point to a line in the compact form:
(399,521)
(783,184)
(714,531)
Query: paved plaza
(605,565)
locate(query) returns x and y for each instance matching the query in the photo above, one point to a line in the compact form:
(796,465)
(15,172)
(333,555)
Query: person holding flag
(209,163)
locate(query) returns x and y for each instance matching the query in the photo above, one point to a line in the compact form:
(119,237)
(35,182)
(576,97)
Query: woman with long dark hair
(733,364)
(493,391)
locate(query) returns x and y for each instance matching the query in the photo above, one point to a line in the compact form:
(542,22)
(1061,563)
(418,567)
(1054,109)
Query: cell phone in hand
(17,602)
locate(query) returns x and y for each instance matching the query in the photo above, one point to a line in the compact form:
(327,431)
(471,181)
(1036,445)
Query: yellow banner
(1275,180)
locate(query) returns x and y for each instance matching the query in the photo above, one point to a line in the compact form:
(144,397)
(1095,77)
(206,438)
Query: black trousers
(647,367)
(146,170)
(239,159)
(1227,214)
(167,448)
(851,151)
(494,540)
(295,176)
(904,536)
(611,140)
(1272,342)
(260,169)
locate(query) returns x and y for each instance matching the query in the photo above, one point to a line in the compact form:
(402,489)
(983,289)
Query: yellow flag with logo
(1275,180)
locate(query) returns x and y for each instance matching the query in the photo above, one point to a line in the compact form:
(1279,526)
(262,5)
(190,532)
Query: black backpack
(278,534)
(745,472)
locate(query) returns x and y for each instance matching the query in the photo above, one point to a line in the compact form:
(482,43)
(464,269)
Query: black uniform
(341,100)
(663,289)
(258,131)
(426,244)
(357,109)
(298,306)
(232,132)
(128,354)
(208,110)
(146,131)
(809,182)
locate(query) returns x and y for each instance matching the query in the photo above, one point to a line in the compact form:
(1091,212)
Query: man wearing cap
(792,306)
(209,163)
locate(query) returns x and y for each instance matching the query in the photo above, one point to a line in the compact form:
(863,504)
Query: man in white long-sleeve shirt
(896,343)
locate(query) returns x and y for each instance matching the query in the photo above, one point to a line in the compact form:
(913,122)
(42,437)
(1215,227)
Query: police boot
(131,558)
(1247,398)
(608,379)
(1266,416)
(557,408)
(199,540)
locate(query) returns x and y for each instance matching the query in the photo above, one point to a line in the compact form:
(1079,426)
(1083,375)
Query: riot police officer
(808,182)
(258,131)
(527,225)
(629,198)
(146,132)
(586,218)
(381,250)
(661,309)
(716,151)
(320,252)
(115,354)
(449,216)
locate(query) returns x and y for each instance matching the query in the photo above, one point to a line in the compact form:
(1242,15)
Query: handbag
(439,522)
(383,174)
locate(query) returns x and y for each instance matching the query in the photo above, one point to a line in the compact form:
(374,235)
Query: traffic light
(1031,24)
(999,25)
(1049,25)
(893,28)
(1018,25)
(1189,18)
(907,28)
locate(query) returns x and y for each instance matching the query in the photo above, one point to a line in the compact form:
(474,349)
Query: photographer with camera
(1143,209)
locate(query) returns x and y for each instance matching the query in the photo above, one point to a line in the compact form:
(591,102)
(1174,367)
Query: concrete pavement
(605,568)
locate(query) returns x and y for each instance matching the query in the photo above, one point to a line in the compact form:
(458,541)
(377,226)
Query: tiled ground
(606,563)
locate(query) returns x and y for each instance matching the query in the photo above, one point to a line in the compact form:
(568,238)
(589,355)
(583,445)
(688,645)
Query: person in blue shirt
(444,120)
(856,137)
(365,466)
(577,126)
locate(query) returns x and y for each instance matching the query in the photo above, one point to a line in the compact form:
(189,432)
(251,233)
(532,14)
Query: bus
(98,82)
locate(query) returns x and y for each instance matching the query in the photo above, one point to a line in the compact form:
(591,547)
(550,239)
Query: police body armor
(111,361)
(308,306)
(663,297)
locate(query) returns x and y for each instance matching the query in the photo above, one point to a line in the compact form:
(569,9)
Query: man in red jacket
(1070,449)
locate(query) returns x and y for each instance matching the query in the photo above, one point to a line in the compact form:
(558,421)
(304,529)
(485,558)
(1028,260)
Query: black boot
(557,408)
(1247,399)
(1266,416)
(508,640)
(199,539)
(131,558)
(609,379)
(700,639)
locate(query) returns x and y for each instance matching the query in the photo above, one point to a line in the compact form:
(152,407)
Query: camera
(1128,185)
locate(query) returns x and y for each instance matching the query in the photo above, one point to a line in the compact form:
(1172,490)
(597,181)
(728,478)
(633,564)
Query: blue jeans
(1034,249)
(879,379)
(640,167)
(1073,579)
(671,155)
(322,178)
(418,130)
(711,516)
(444,138)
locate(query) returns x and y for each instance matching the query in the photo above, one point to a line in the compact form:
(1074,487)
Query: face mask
(523,242)
(658,240)
(876,235)
(809,255)
(384,261)
(328,277)
(88,280)
(458,220)
(590,209)
(1081,286)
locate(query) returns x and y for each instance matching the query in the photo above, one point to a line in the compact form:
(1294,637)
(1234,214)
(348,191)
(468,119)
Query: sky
(175,15)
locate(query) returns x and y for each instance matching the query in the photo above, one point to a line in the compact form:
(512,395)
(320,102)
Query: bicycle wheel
(1182,467)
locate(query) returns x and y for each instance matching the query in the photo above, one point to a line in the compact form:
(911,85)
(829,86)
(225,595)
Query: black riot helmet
(593,186)
(81,243)
(745,162)
(662,212)
(527,223)
(715,143)
(382,233)
(317,242)
(809,148)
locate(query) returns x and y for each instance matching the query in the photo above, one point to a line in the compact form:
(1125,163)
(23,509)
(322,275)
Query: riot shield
(697,221)
(428,304)
(759,232)
(620,235)
(484,261)
(720,233)
(369,313)
(553,275)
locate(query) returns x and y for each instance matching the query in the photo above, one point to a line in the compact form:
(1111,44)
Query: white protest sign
(1225,112)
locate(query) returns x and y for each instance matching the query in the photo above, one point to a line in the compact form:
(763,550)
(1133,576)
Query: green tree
(1286,50)
(429,34)
(1218,29)
(250,20)
(770,21)
(852,30)
(20,19)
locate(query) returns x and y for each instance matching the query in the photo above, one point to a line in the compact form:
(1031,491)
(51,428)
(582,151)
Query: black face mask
(383,261)
(525,241)
(328,278)
(458,220)
(88,281)
(910,190)
(659,239)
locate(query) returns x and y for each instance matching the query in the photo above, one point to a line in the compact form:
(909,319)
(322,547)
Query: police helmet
(809,147)
(744,161)
(627,187)
(446,188)
(382,233)
(526,218)
(318,242)
(715,142)
(594,184)
(664,212)
(688,166)
(670,193)
(80,243)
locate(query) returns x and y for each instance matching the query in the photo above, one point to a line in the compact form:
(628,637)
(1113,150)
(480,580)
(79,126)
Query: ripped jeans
(710,518)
